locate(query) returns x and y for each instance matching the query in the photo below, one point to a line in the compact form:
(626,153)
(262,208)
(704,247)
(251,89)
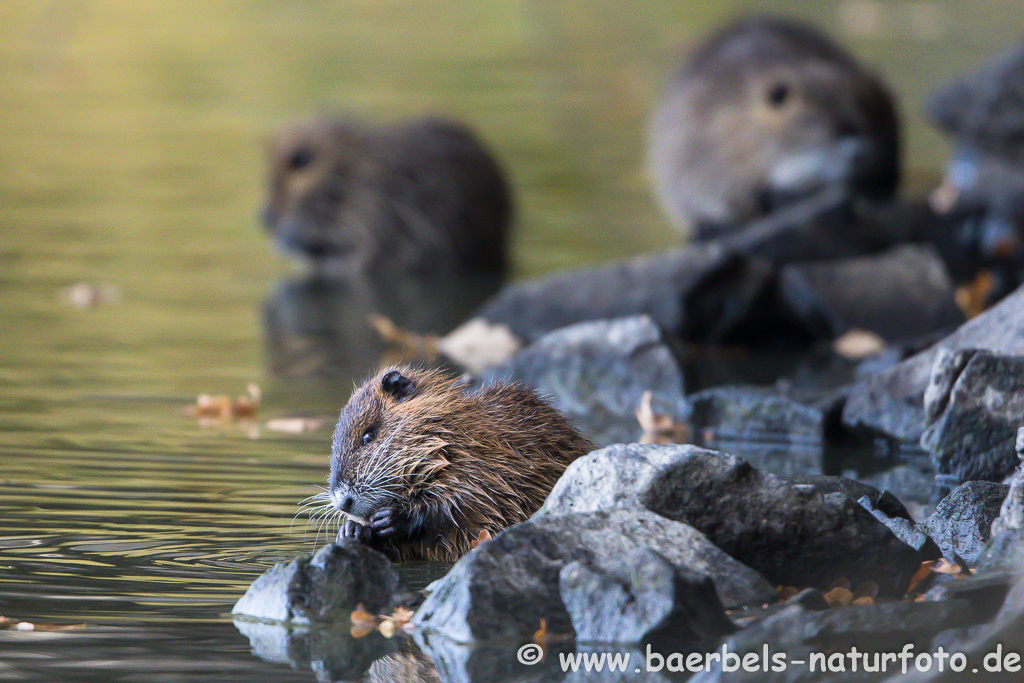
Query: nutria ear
(397,385)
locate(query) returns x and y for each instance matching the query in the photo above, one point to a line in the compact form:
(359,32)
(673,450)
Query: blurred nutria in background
(767,111)
(420,196)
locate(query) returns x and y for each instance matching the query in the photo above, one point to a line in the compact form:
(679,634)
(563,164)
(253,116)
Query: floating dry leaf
(658,428)
(408,345)
(858,344)
(294,425)
(839,597)
(485,535)
(90,294)
(16,625)
(387,628)
(363,623)
(222,408)
(541,638)
(973,297)
(402,616)
(479,344)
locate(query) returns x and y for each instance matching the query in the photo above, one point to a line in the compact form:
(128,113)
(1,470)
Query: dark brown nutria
(419,468)
(767,111)
(421,195)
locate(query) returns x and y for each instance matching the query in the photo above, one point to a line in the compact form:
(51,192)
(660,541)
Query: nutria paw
(353,529)
(383,523)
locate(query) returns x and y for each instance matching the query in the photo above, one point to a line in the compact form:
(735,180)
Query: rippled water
(130,154)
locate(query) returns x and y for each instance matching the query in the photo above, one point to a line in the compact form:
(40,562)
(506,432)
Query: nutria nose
(346,504)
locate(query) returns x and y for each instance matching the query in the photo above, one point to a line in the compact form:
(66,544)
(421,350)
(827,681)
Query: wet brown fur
(461,462)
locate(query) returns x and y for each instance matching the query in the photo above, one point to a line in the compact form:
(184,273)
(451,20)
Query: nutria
(765,112)
(419,468)
(421,196)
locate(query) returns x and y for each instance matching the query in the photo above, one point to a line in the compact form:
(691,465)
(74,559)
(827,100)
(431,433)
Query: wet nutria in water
(767,111)
(420,196)
(419,468)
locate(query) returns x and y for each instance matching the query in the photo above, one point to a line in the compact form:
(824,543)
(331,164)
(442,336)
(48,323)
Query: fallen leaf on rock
(839,597)
(857,602)
(868,589)
(401,616)
(841,582)
(294,425)
(387,628)
(485,535)
(973,297)
(923,572)
(478,344)
(858,344)
(786,592)
(944,566)
(658,428)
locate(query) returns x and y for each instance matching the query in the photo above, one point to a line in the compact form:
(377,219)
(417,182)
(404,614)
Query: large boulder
(640,598)
(796,534)
(596,373)
(331,584)
(858,293)
(986,108)
(974,404)
(503,588)
(891,402)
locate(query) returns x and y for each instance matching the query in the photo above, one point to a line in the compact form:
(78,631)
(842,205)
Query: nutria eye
(396,385)
(300,158)
(368,436)
(778,95)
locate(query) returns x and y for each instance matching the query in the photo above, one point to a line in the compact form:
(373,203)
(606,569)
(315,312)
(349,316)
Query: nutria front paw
(353,529)
(384,523)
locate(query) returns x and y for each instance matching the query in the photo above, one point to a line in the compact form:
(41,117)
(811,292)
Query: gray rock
(331,584)
(1004,552)
(595,373)
(984,108)
(652,285)
(794,534)
(974,403)
(1004,637)
(797,634)
(617,476)
(858,293)
(962,522)
(754,414)
(1011,513)
(903,528)
(504,587)
(640,598)
(892,402)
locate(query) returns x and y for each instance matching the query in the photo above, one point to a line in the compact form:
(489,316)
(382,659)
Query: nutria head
(385,446)
(423,195)
(419,468)
(322,175)
(768,111)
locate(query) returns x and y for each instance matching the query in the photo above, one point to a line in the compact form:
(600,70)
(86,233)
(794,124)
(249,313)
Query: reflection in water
(318,327)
